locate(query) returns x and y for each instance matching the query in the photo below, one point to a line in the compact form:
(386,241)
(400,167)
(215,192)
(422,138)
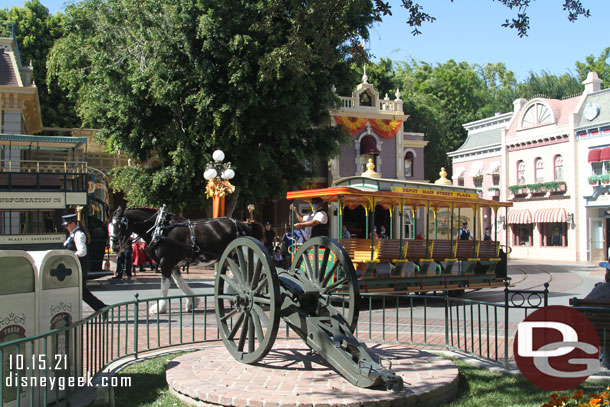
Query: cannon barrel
(317,297)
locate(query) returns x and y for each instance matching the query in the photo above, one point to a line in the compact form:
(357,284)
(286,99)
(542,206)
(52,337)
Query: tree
(36,31)
(521,23)
(439,100)
(599,65)
(549,86)
(178,79)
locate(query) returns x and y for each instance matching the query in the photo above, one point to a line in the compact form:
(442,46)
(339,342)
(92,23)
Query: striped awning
(476,169)
(550,215)
(458,172)
(594,155)
(605,154)
(494,168)
(519,217)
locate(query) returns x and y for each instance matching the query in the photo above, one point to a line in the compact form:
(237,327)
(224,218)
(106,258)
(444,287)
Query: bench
(359,251)
(443,251)
(488,256)
(598,312)
(416,252)
(465,253)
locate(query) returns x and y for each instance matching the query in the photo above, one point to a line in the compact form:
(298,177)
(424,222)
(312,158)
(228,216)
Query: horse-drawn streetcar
(422,253)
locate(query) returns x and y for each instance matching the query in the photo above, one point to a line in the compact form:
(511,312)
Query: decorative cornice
(564,138)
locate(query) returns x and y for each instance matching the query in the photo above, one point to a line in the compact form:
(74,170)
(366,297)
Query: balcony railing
(389,106)
(34,175)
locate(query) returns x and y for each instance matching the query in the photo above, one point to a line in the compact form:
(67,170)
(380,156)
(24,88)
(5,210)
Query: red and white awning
(594,155)
(605,154)
(519,217)
(550,215)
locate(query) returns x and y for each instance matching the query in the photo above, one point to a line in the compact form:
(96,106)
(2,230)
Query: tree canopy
(175,80)
(36,31)
(179,79)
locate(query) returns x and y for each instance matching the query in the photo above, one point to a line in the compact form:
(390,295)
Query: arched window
(520,172)
(536,115)
(368,150)
(409,164)
(539,164)
(558,168)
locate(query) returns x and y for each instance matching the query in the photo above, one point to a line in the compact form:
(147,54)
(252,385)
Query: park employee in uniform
(314,223)
(77,242)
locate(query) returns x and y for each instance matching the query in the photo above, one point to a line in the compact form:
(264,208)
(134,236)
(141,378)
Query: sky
(471,31)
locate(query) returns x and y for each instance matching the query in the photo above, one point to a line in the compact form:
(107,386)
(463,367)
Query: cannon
(317,298)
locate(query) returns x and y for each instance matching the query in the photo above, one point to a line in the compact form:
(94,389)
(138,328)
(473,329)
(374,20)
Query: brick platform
(289,376)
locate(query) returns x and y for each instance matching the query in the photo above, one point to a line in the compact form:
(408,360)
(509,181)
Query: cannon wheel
(333,274)
(247,300)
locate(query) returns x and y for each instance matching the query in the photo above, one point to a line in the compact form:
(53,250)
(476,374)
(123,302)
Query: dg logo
(556,348)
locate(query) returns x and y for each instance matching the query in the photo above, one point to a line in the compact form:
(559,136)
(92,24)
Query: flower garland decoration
(218,187)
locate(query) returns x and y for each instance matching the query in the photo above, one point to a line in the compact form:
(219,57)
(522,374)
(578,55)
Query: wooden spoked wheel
(247,300)
(333,273)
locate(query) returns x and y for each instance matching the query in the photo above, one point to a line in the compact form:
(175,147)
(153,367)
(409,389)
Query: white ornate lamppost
(218,174)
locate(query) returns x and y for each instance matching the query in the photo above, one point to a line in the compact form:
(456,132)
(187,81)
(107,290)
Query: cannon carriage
(317,297)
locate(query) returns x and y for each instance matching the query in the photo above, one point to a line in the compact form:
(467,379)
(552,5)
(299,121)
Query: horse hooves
(162,309)
(191,305)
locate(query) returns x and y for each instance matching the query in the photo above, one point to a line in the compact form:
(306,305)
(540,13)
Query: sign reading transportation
(435,192)
(32,200)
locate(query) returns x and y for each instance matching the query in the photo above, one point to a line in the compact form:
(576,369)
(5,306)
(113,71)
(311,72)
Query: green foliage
(180,79)
(605,178)
(599,65)
(549,86)
(493,189)
(36,31)
(535,187)
(440,99)
(516,189)
(594,179)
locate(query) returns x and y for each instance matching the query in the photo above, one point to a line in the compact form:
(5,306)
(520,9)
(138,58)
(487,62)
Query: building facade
(592,128)
(549,150)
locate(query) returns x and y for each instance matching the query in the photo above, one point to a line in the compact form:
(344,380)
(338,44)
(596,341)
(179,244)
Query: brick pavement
(290,376)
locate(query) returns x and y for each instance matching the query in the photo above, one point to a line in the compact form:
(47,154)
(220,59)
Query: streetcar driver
(314,223)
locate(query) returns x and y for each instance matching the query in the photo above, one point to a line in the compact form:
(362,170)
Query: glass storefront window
(554,234)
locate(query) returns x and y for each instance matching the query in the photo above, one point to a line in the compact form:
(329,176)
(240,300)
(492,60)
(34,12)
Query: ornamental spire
(364,77)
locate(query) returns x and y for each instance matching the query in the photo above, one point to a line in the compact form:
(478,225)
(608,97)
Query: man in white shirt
(77,242)
(314,223)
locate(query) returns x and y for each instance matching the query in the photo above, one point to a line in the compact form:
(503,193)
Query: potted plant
(537,188)
(518,189)
(494,191)
(605,179)
(593,179)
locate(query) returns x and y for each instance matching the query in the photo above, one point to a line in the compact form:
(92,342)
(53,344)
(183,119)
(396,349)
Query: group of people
(131,255)
(465,234)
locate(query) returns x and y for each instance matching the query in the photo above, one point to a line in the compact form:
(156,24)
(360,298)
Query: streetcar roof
(417,194)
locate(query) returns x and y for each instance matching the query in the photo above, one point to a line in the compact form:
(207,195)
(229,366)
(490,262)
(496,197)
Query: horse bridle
(120,223)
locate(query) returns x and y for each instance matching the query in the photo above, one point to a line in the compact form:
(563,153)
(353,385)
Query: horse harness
(162,226)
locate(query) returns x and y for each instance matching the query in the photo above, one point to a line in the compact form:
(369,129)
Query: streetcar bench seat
(390,251)
(359,251)
(488,255)
(442,253)
(465,253)
(417,253)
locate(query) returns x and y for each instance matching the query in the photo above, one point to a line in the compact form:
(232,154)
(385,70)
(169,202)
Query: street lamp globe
(210,173)
(228,173)
(218,155)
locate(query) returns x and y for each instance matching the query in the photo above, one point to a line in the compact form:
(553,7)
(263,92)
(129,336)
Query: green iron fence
(86,348)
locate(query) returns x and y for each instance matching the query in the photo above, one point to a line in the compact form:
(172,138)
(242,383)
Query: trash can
(18,319)
(59,305)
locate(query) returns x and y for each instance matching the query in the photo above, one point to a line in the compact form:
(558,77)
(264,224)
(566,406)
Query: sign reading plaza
(32,200)
(32,239)
(434,192)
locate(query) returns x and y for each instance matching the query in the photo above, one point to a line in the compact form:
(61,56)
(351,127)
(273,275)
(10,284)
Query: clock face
(591,111)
